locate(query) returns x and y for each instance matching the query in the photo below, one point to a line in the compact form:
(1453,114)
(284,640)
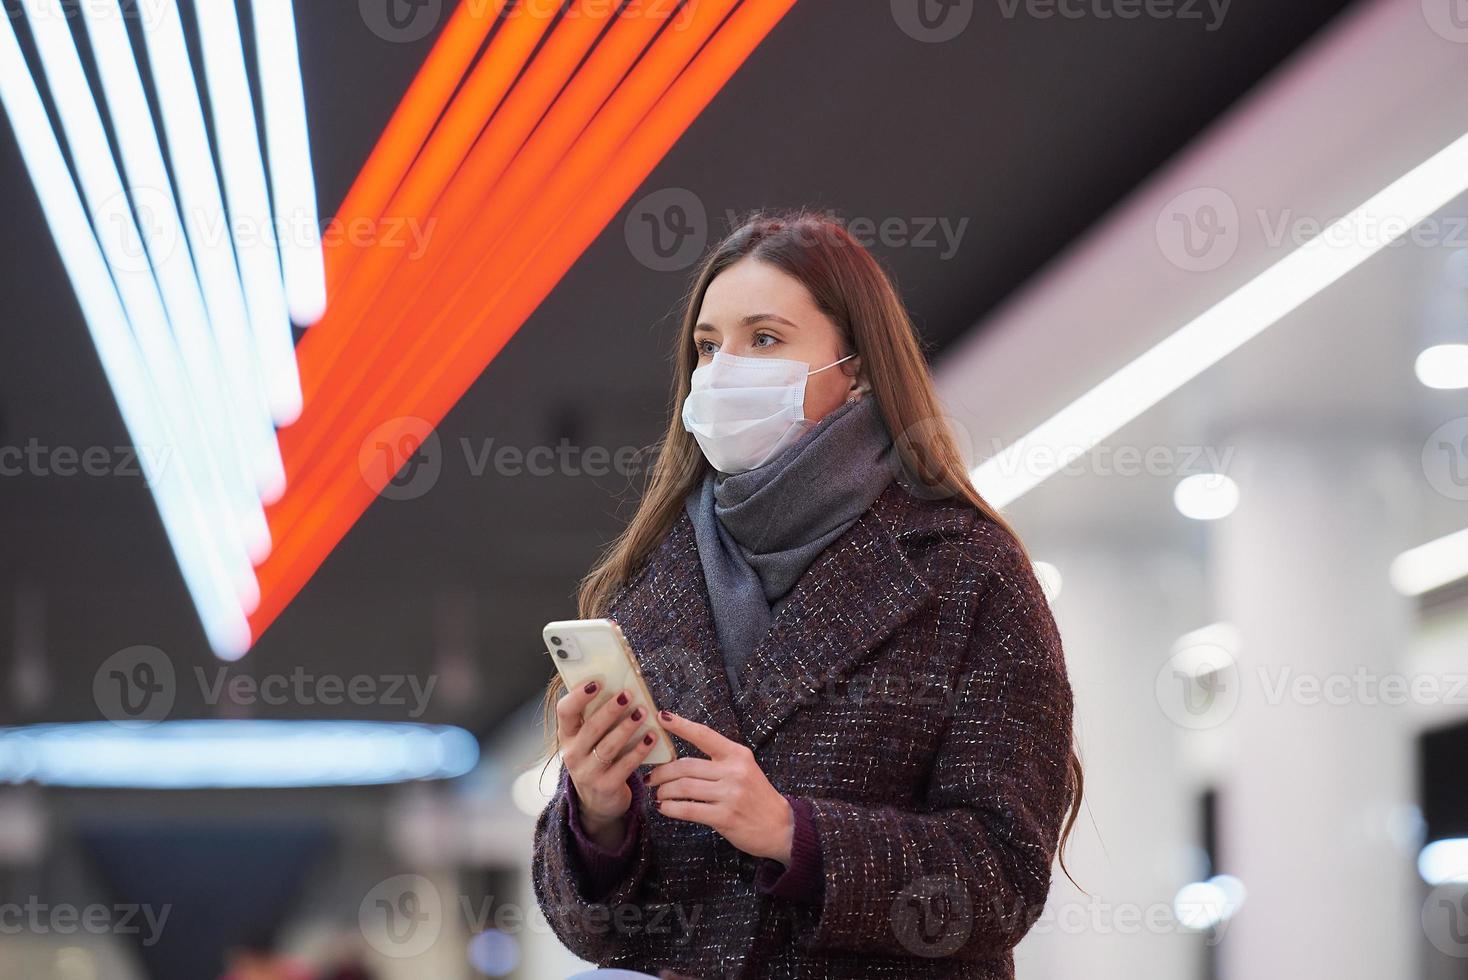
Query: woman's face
(753,309)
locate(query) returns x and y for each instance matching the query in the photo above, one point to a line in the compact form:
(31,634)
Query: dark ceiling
(1017,134)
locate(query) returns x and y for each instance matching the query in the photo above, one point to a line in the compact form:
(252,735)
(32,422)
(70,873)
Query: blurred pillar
(1121,605)
(1321,769)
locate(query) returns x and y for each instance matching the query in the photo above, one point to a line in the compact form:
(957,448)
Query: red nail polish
(591,688)
(636,714)
(622,699)
(665,715)
(647,739)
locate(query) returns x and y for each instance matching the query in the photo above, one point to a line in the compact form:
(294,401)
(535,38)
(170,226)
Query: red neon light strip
(421,187)
(476,200)
(409,127)
(559,225)
(470,259)
(349,348)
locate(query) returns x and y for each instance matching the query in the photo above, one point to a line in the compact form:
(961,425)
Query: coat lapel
(666,617)
(848,602)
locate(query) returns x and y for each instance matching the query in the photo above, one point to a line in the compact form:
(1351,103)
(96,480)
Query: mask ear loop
(831,365)
(857,392)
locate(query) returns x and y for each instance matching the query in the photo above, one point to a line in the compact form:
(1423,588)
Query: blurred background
(1194,282)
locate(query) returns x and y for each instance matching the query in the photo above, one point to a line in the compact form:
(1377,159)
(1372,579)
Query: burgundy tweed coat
(914,690)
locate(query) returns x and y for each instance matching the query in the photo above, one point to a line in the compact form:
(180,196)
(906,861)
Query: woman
(849,647)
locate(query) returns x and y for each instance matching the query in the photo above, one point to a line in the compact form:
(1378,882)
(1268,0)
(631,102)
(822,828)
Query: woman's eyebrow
(754,318)
(749,320)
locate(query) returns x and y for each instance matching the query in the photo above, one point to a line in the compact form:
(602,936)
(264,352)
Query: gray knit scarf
(759,530)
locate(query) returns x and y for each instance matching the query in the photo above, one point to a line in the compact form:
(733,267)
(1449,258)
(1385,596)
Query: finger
(690,810)
(687,766)
(609,749)
(571,705)
(705,738)
(633,757)
(703,790)
(602,721)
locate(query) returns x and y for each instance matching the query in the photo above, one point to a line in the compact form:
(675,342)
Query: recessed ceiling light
(1206,496)
(1444,861)
(1431,565)
(1444,366)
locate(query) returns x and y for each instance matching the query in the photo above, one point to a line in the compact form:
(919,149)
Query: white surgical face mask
(744,410)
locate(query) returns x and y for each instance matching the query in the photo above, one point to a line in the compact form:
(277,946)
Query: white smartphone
(584,650)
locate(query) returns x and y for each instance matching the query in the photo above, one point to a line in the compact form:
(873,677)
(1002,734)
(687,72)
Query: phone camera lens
(562,654)
(556,640)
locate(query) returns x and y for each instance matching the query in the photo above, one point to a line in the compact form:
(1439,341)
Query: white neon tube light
(142,158)
(224,754)
(1223,328)
(206,222)
(122,245)
(233,111)
(204,576)
(288,145)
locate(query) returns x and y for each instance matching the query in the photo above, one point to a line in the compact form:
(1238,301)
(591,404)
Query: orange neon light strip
(470,260)
(408,128)
(467,259)
(581,197)
(420,190)
(514,121)
(478,200)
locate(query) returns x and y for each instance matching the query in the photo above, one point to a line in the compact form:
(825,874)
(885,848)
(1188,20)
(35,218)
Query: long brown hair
(849,286)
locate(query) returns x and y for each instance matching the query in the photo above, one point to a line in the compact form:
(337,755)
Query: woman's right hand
(599,753)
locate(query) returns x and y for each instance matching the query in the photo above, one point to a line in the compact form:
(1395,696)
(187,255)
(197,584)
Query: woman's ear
(858,384)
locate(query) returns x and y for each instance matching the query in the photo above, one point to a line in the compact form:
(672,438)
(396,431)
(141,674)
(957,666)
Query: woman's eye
(764,336)
(706,348)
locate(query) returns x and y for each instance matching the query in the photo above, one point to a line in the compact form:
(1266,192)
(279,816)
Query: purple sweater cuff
(802,880)
(603,868)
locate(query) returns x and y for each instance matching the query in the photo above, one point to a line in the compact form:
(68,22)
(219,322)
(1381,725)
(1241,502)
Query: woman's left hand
(727,791)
